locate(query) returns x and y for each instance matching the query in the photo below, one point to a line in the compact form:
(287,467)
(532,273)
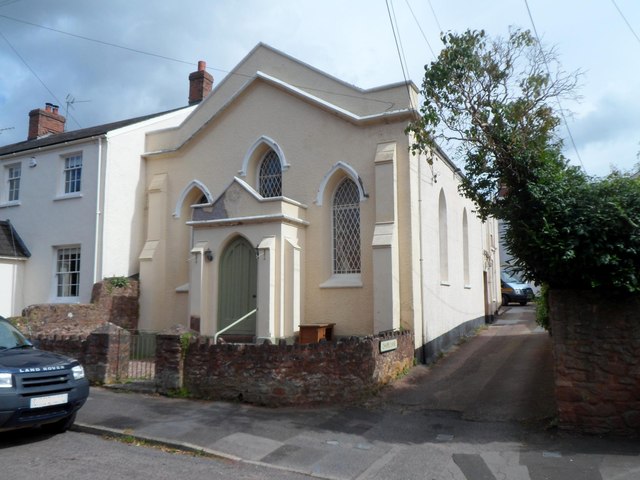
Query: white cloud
(351,40)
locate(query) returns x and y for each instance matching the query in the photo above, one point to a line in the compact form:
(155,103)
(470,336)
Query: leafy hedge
(495,101)
(573,231)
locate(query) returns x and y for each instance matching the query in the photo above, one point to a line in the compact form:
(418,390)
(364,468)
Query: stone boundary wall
(117,305)
(61,319)
(104,353)
(596,344)
(342,371)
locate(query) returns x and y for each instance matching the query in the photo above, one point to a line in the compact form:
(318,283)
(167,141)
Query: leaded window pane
(346,228)
(68,272)
(271,176)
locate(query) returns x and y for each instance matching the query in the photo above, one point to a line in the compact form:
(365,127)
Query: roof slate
(77,134)
(11,245)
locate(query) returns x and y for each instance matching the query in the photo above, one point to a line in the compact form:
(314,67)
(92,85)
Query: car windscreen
(10,337)
(510,278)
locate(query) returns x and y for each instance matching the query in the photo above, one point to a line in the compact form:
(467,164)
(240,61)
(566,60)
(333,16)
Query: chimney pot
(200,83)
(45,122)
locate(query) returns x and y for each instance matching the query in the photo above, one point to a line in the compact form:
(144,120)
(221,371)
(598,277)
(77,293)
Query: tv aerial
(70,100)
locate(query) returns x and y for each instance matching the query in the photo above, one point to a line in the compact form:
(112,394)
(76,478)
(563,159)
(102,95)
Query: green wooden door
(238,287)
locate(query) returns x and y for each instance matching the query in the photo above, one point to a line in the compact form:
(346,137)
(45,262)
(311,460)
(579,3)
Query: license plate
(40,402)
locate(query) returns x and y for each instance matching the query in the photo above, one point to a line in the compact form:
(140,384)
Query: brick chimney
(200,84)
(45,122)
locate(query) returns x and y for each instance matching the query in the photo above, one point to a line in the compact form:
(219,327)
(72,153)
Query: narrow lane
(505,373)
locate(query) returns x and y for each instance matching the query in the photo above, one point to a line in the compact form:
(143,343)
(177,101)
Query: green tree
(495,103)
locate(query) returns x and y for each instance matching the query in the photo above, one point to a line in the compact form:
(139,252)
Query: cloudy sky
(69,50)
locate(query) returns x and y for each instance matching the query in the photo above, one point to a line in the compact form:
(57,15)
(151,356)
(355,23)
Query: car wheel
(523,303)
(61,425)
(505,300)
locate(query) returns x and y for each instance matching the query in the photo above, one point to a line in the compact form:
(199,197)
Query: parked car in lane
(37,388)
(514,290)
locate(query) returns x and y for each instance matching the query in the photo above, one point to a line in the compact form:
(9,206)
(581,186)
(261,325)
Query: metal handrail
(215,338)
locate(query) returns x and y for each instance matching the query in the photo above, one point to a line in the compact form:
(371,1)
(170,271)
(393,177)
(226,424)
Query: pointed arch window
(346,228)
(270,175)
(465,248)
(444,239)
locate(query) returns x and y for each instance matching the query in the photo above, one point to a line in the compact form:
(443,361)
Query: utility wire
(625,20)
(420,28)
(544,58)
(35,74)
(8,2)
(164,57)
(101,42)
(435,16)
(399,50)
(404,58)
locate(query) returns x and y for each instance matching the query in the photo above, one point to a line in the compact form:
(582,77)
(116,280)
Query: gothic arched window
(346,228)
(270,176)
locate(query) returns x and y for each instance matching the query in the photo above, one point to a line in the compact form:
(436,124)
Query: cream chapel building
(288,197)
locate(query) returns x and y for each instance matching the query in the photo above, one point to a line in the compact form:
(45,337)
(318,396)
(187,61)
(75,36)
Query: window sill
(15,203)
(467,287)
(67,196)
(343,281)
(445,284)
(66,300)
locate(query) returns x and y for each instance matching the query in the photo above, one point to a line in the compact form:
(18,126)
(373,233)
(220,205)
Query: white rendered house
(75,200)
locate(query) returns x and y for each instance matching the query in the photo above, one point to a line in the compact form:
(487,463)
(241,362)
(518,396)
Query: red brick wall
(104,353)
(108,304)
(90,333)
(596,343)
(120,304)
(61,319)
(283,375)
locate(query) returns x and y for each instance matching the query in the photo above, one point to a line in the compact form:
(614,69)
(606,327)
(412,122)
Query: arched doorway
(237,289)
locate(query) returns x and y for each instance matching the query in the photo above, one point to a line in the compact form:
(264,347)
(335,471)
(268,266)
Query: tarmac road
(482,412)
(505,373)
(30,455)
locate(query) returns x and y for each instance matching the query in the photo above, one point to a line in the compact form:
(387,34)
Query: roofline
(328,75)
(362,91)
(406,113)
(52,146)
(448,161)
(80,134)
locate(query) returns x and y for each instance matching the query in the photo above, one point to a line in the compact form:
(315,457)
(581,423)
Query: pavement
(482,412)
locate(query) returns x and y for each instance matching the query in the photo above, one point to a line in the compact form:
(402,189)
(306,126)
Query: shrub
(116,282)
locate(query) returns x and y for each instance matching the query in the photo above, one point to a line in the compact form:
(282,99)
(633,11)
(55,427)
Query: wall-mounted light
(208,255)
(33,162)
(259,250)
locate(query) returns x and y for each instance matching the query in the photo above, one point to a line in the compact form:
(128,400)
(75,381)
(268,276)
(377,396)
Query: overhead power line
(8,2)
(435,16)
(544,58)
(396,36)
(625,20)
(166,57)
(420,28)
(94,40)
(33,72)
